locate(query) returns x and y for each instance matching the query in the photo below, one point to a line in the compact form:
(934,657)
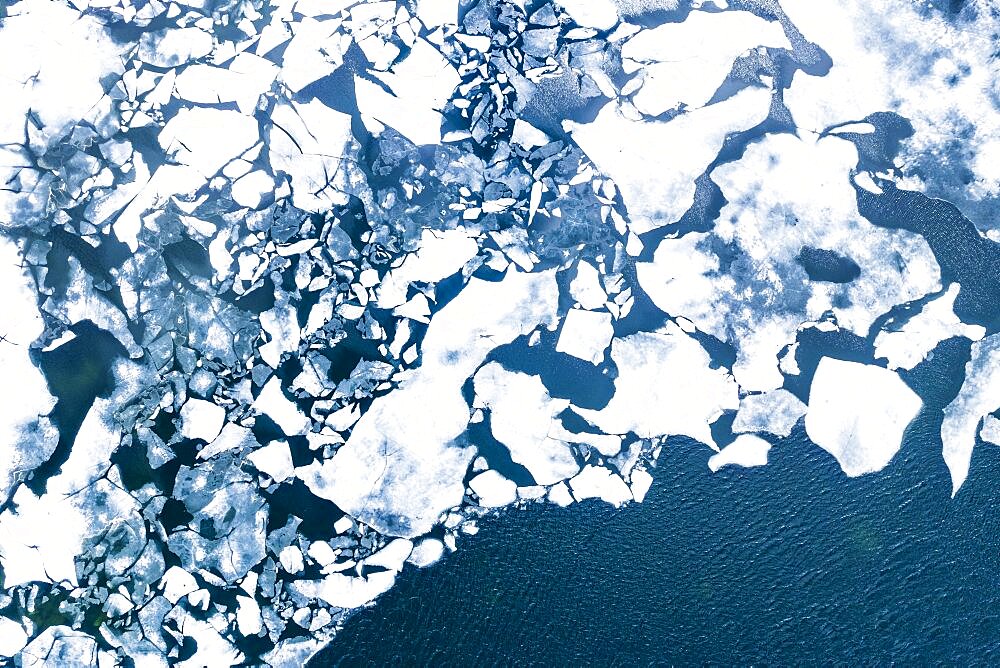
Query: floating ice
(858,413)
(493,490)
(747,451)
(775,412)
(586,335)
(990,431)
(201,419)
(980,395)
(598,482)
(404,463)
(664,386)
(522,416)
(909,345)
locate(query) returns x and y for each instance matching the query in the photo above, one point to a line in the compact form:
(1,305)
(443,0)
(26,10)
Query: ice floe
(746,451)
(909,345)
(665,386)
(979,395)
(858,413)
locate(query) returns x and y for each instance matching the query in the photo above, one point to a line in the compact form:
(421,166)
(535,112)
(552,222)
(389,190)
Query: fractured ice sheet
(296,292)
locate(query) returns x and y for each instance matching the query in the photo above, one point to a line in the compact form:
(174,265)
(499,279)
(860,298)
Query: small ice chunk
(858,413)
(177,583)
(426,552)
(559,495)
(907,347)
(201,419)
(990,431)
(493,490)
(273,403)
(274,459)
(291,559)
(343,525)
(321,552)
(598,482)
(979,396)
(586,288)
(774,412)
(248,617)
(747,451)
(232,436)
(641,482)
(586,334)
(392,556)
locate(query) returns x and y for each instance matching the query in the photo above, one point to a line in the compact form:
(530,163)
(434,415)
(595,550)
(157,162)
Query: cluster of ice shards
(297,290)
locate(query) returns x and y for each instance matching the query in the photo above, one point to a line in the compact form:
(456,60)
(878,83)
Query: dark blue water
(787,564)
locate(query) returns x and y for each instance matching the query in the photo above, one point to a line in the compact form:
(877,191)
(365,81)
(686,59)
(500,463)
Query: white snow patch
(858,413)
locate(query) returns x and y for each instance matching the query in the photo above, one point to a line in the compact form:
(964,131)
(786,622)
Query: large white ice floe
(404,462)
(895,56)
(27,436)
(858,413)
(665,386)
(979,395)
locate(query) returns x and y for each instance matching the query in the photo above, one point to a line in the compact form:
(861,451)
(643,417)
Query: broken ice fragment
(747,451)
(586,335)
(201,419)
